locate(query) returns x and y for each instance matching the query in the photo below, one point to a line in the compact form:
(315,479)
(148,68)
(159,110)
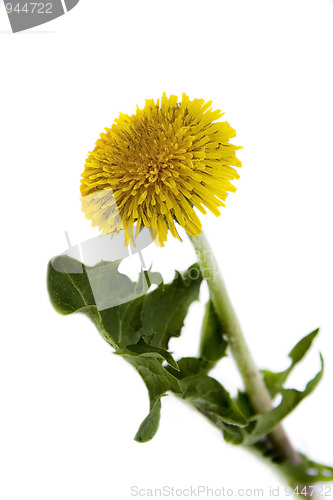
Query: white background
(69,407)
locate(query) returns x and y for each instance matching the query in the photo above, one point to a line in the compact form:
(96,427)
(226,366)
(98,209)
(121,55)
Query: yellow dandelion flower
(153,168)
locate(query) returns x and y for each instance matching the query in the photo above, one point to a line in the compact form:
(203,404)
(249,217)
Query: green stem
(252,378)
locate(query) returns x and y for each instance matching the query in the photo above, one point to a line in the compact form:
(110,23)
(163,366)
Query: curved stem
(253,381)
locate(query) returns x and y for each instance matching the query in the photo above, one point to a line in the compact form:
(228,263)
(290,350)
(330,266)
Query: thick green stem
(253,381)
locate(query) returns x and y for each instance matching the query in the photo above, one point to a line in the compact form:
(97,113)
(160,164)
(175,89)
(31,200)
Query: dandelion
(157,169)
(154,168)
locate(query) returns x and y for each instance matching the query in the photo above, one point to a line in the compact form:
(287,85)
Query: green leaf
(68,285)
(208,394)
(187,367)
(139,328)
(75,287)
(150,424)
(213,345)
(244,404)
(205,393)
(121,325)
(144,349)
(301,348)
(266,422)
(275,381)
(165,309)
(158,381)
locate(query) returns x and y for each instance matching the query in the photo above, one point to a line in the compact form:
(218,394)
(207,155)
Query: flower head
(153,168)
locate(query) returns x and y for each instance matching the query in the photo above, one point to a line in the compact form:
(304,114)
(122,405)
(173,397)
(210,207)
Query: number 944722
(29,8)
